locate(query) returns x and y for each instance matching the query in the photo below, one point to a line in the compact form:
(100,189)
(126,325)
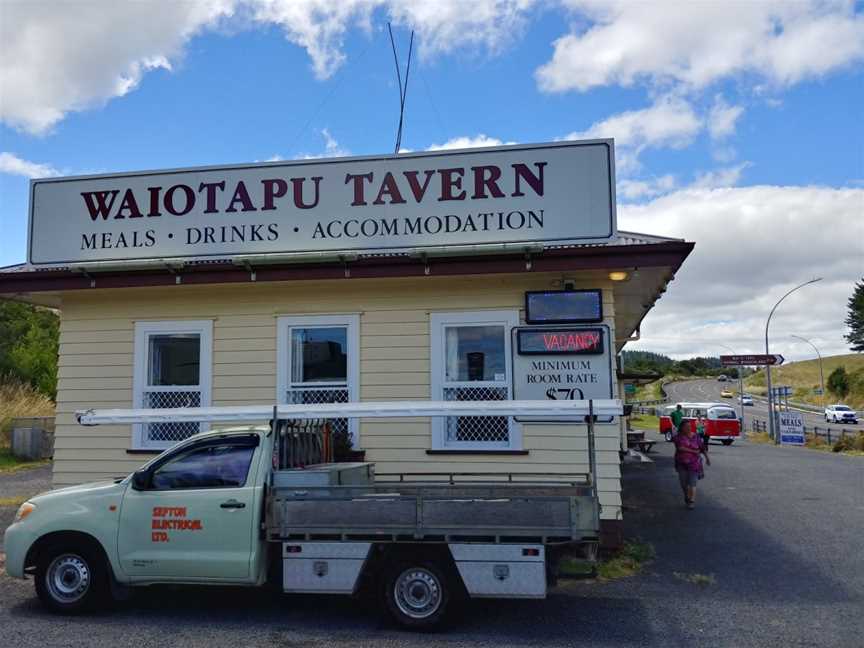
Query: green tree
(855,319)
(29,339)
(838,382)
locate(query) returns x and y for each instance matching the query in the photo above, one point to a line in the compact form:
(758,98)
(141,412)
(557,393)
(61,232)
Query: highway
(709,391)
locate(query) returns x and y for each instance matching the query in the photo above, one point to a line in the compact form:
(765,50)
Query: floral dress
(687,460)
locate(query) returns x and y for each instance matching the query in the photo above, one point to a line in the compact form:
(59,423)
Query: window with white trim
(172,369)
(318,362)
(471,361)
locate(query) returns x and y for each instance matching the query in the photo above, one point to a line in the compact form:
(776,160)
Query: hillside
(804,378)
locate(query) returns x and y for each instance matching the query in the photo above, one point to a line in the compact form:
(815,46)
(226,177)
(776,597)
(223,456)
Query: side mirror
(141,479)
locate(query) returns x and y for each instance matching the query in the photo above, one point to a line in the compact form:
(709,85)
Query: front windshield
(842,408)
(723,413)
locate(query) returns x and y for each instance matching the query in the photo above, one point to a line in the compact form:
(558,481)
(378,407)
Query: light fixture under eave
(618,275)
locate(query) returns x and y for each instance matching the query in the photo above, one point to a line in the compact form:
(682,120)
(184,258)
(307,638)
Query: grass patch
(850,445)
(575,568)
(759,437)
(645,422)
(803,377)
(18,400)
(9,463)
(13,502)
(629,561)
(696,579)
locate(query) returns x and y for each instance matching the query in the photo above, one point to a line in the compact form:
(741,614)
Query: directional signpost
(754,359)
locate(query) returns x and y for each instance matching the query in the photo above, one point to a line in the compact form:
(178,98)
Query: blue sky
(728,124)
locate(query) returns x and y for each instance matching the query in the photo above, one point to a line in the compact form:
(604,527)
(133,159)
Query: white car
(840,414)
(746,399)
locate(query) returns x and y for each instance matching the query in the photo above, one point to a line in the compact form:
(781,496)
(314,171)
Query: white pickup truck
(258,505)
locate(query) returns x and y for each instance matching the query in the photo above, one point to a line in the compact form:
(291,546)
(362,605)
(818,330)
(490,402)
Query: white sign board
(791,428)
(562,363)
(559,192)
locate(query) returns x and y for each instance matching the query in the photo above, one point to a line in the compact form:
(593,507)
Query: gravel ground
(21,483)
(777,528)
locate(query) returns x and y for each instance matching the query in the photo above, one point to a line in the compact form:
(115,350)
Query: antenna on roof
(403,89)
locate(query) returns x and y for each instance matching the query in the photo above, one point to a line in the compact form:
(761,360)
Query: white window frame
(439,322)
(283,356)
(143,331)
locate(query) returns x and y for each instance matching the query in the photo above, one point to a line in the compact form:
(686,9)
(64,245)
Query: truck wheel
(668,435)
(416,594)
(70,579)
(728,442)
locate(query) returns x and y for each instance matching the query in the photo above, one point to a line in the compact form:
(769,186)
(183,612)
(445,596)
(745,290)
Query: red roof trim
(670,254)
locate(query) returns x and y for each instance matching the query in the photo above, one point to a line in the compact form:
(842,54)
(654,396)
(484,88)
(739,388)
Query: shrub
(849,442)
(838,382)
(19,400)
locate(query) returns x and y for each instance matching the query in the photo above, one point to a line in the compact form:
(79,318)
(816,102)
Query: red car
(721,421)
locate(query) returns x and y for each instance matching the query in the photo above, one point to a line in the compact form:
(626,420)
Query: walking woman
(689,449)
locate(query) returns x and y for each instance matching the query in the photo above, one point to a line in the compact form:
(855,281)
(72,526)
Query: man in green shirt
(677,417)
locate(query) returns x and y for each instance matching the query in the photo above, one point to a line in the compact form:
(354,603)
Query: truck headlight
(23,511)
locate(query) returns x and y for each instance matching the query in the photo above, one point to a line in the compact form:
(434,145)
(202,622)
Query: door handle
(232,504)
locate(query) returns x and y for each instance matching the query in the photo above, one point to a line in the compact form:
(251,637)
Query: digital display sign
(561,341)
(563,306)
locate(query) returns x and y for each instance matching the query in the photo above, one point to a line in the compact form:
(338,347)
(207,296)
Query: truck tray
(491,511)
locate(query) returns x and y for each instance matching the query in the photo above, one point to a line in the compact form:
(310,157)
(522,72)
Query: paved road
(709,390)
(778,528)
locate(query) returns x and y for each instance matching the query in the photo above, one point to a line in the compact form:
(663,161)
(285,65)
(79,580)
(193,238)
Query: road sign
(817,391)
(791,428)
(782,390)
(629,388)
(756,359)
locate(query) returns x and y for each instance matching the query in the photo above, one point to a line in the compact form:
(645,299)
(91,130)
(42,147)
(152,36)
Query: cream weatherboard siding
(96,366)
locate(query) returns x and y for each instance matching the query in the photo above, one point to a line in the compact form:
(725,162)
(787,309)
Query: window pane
(475,353)
(208,467)
(319,354)
(174,359)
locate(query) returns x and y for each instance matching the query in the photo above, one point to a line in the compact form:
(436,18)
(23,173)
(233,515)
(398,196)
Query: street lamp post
(821,373)
(772,432)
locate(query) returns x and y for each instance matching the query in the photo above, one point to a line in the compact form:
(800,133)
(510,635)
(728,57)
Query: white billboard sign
(562,363)
(791,428)
(561,192)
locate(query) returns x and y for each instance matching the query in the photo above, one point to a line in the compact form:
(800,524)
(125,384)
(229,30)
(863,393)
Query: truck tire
(668,435)
(71,578)
(416,594)
(728,442)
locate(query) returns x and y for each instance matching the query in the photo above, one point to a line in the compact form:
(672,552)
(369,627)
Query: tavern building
(481,274)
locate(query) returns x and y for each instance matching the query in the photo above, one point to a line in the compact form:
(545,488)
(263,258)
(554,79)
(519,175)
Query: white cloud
(68,56)
(63,57)
(694,44)
(752,245)
(670,122)
(722,118)
(647,188)
(719,178)
(331,148)
(13,165)
(466,141)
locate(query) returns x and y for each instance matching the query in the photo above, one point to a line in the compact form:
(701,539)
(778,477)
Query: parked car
(746,399)
(840,414)
(721,421)
(726,393)
(722,378)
